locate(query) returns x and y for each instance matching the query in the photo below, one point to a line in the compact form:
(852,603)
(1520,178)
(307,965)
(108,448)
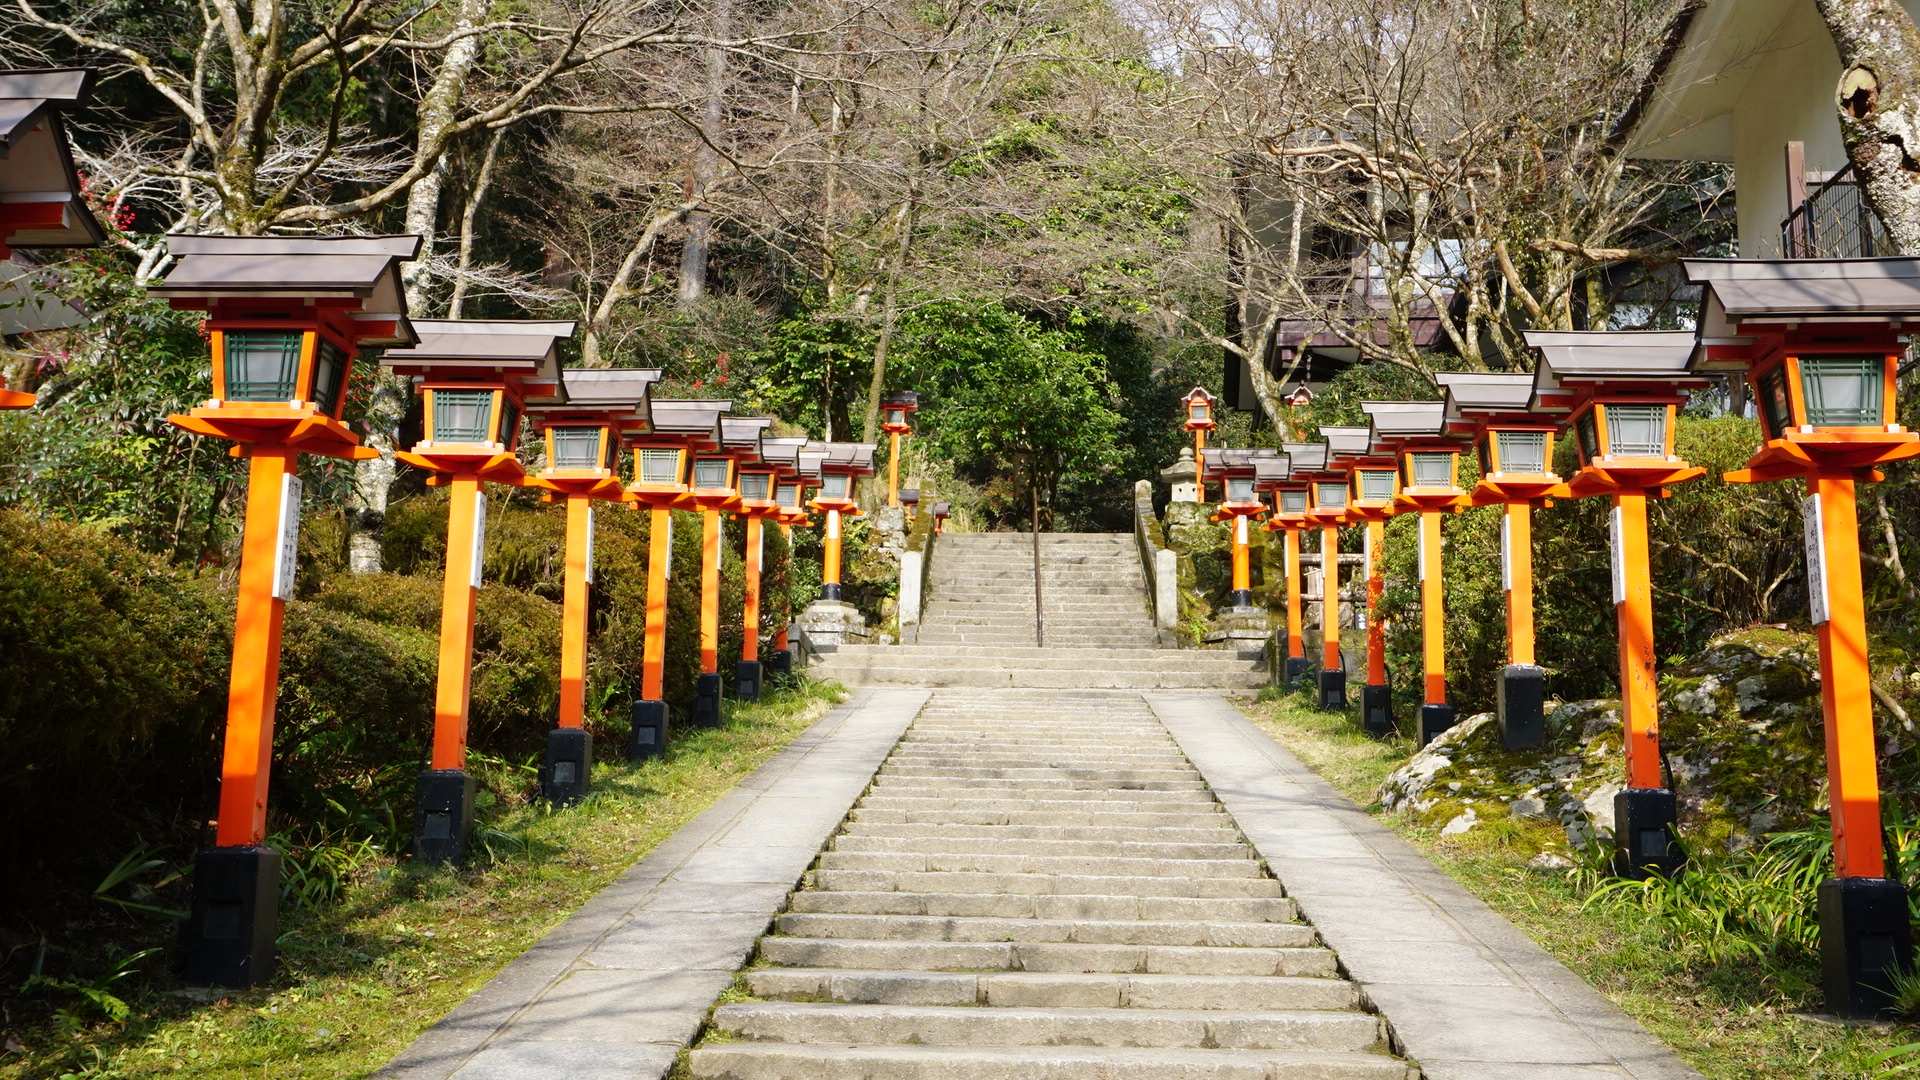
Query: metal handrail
(1838,201)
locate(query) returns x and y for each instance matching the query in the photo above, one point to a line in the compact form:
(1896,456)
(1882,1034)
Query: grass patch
(1746,1018)
(396,946)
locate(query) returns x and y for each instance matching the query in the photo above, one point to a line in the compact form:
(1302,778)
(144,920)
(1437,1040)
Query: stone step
(889,799)
(817,1061)
(1119,778)
(1043,884)
(990,678)
(1204,835)
(1081,990)
(1076,931)
(1117,819)
(1228,848)
(911,863)
(1013,906)
(935,1025)
(1011,652)
(1045,956)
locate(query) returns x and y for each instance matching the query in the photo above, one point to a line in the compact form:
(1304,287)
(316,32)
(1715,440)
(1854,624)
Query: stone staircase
(977,629)
(1041,886)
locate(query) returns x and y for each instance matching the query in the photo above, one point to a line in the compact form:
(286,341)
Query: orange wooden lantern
(1820,342)
(896,413)
(41,205)
(1416,433)
(1235,473)
(1373,484)
(1288,515)
(1515,448)
(1200,407)
(769,492)
(582,439)
(286,318)
(1327,507)
(1620,393)
(840,471)
(717,481)
(477,378)
(662,483)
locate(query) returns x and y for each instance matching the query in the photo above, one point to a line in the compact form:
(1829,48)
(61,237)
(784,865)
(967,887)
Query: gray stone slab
(616,990)
(1463,991)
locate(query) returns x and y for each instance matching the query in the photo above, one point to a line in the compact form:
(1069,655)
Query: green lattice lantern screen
(1293,502)
(659,466)
(261,365)
(1429,469)
(1520,451)
(836,486)
(1374,485)
(1330,495)
(1636,431)
(1240,489)
(756,485)
(576,446)
(1843,391)
(461,416)
(713,474)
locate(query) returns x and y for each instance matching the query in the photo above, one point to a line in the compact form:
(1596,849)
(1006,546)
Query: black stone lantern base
(705,712)
(649,737)
(443,816)
(1333,690)
(233,919)
(1376,709)
(779,665)
(1643,834)
(1522,705)
(1864,939)
(1296,671)
(1434,719)
(568,774)
(746,680)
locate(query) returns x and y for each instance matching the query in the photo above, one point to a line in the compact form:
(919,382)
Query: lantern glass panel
(756,485)
(1843,391)
(462,416)
(659,465)
(1331,496)
(1522,451)
(789,495)
(509,422)
(710,473)
(835,485)
(1585,432)
(896,416)
(1376,485)
(1636,430)
(1240,489)
(1431,470)
(576,447)
(329,375)
(1776,404)
(1199,410)
(1293,502)
(262,365)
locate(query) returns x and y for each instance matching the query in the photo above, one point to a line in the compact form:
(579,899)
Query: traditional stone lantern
(1821,343)
(1292,495)
(1327,509)
(896,419)
(1620,393)
(1515,447)
(477,378)
(662,481)
(41,205)
(1199,406)
(830,621)
(1374,484)
(1416,433)
(582,440)
(286,319)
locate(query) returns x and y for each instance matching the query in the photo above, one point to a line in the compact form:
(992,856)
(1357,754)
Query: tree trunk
(439,108)
(1879,103)
(889,316)
(698,250)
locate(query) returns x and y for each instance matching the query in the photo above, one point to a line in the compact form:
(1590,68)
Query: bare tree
(1879,102)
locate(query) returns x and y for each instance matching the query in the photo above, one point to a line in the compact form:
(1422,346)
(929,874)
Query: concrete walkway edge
(1465,993)
(623,985)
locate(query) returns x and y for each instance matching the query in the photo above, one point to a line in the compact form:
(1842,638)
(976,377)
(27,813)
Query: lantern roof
(1577,365)
(212,269)
(1480,392)
(741,434)
(39,185)
(1346,443)
(901,399)
(942,509)
(619,396)
(1223,461)
(784,452)
(696,421)
(1306,457)
(523,352)
(1271,472)
(1199,393)
(1736,292)
(855,458)
(808,463)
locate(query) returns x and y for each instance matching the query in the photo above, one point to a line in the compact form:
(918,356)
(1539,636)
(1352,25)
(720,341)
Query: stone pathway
(1040,886)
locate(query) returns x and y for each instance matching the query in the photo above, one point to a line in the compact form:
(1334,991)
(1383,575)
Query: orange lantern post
(791,495)
(941,512)
(782,457)
(715,490)
(1235,472)
(897,420)
(40,197)
(1515,447)
(1375,484)
(1291,497)
(830,620)
(1821,342)
(1199,406)
(1620,393)
(582,440)
(1327,510)
(1429,485)
(286,318)
(661,481)
(477,378)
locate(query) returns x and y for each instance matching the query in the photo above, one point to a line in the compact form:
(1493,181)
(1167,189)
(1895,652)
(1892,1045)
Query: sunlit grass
(362,976)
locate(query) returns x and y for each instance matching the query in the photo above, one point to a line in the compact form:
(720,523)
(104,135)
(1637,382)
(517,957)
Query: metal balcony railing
(1835,222)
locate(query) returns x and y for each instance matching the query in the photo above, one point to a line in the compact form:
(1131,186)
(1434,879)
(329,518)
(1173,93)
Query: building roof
(1802,290)
(36,161)
(365,268)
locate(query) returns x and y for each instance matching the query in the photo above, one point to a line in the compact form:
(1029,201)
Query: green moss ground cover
(373,950)
(1744,1016)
